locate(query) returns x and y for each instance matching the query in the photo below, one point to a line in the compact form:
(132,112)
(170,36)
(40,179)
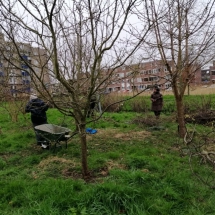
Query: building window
(24,57)
(139,80)
(24,66)
(121,75)
(12,79)
(213,72)
(167,86)
(24,73)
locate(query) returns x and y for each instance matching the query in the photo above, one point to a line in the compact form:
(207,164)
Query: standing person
(92,106)
(37,108)
(157,102)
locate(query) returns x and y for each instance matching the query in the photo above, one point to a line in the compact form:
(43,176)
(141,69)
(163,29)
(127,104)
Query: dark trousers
(91,110)
(40,139)
(157,113)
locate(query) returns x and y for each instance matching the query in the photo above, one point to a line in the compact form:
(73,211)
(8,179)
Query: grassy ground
(137,170)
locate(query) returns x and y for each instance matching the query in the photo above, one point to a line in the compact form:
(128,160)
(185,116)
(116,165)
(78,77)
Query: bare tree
(183,34)
(84,42)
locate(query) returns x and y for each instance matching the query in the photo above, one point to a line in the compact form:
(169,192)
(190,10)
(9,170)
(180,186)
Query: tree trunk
(180,117)
(85,171)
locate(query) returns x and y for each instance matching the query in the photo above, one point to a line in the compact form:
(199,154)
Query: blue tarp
(91,131)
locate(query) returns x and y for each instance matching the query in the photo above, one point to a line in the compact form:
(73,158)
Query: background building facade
(144,76)
(16,65)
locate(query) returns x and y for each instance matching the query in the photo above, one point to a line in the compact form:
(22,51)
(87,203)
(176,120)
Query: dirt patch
(95,175)
(68,173)
(51,160)
(146,121)
(54,164)
(133,135)
(116,133)
(67,169)
(113,164)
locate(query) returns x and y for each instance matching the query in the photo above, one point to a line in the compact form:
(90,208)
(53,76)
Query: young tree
(183,34)
(84,42)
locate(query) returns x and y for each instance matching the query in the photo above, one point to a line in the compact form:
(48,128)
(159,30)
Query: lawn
(136,169)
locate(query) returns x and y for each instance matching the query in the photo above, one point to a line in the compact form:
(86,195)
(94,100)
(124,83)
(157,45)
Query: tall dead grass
(193,90)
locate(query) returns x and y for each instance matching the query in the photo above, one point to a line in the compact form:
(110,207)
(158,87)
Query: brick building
(208,74)
(16,78)
(144,76)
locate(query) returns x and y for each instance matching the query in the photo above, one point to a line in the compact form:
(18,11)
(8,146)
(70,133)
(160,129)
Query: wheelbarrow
(54,134)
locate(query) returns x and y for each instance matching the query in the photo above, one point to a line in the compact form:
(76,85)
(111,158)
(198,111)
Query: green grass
(133,175)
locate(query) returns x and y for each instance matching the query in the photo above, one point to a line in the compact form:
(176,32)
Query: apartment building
(16,77)
(212,73)
(144,76)
(208,74)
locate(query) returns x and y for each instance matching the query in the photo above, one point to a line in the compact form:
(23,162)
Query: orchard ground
(135,168)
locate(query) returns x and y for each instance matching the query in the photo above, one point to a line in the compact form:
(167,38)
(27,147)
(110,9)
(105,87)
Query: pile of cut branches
(201,117)
(201,152)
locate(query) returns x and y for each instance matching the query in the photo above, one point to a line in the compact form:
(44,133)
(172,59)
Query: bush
(109,103)
(139,105)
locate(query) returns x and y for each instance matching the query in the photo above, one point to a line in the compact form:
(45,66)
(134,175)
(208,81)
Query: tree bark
(180,117)
(85,170)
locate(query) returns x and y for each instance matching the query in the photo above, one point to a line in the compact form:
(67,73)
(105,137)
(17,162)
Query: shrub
(109,103)
(139,105)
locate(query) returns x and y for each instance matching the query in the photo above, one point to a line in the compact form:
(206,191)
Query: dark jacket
(157,101)
(38,109)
